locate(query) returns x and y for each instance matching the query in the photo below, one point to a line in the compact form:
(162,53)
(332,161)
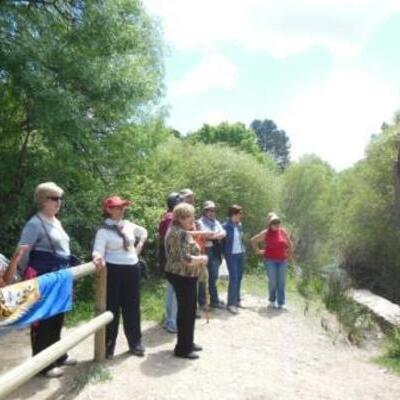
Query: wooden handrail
(11,380)
(14,378)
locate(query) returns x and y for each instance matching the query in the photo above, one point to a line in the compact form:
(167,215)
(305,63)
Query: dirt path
(259,354)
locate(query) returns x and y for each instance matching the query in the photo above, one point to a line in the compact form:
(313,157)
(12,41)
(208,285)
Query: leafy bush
(364,227)
(218,173)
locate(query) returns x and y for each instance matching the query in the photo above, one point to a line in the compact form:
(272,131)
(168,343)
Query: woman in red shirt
(276,253)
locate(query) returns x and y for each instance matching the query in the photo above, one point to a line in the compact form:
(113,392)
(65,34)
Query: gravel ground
(258,354)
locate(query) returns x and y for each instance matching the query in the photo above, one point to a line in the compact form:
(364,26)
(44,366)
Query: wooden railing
(17,376)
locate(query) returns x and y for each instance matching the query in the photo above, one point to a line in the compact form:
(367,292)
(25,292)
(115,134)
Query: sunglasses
(55,198)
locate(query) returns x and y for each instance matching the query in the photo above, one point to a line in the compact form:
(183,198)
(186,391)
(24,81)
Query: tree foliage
(307,203)
(79,81)
(235,135)
(364,226)
(217,173)
(272,140)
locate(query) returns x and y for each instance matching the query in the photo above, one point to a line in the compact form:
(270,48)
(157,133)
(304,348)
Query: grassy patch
(81,311)
(152,304)
(255,284)
(355,319)
(391,358)
(153,296)
(95,374)
(391,363)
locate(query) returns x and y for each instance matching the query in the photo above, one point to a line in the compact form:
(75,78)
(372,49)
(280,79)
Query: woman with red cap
(117,246)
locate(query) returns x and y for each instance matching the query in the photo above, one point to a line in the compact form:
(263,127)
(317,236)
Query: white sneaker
(232,309)
(55,372)
(70,362)
(282,308)
(271,305)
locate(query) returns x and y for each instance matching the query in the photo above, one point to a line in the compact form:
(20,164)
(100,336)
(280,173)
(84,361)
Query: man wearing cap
(117,246)
(187,196)
(209,223)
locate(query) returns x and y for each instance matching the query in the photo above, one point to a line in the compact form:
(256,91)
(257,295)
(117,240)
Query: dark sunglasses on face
(275,222)
(55,198)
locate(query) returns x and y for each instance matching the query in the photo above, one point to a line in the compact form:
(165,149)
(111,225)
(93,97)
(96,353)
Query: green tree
(235,135)
(308,203)
(364,227)
(79,84)
(272,140)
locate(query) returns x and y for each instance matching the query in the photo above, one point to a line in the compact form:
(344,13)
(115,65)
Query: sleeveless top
(275,245)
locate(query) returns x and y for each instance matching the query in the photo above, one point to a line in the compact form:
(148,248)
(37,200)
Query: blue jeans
(234,263)
(171,308)
(276,272)
(213,269)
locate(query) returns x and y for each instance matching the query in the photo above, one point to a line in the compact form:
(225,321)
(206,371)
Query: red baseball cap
(115,201)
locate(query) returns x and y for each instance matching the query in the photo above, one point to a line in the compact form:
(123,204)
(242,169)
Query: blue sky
(328,72)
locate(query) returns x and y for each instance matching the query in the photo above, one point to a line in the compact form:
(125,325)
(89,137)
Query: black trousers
(123,294)
(186,295)
(46,332)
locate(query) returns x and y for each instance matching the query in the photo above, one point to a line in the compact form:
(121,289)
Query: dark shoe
(219,306)
(189,356)
(138,350)
(196,347)
(198,316)
(170,330)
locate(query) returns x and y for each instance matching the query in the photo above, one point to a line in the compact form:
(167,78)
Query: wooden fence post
(100,335)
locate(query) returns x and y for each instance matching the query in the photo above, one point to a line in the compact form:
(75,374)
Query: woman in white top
(114,247)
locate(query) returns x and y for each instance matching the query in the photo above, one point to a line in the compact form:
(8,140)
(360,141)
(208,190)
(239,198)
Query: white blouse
(110,245)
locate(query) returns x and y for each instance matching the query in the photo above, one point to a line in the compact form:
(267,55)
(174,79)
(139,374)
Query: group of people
(190,254)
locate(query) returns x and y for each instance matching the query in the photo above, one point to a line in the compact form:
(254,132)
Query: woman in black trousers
(184,263)
(114,247)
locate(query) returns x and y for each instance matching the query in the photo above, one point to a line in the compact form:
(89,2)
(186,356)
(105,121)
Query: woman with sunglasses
(47,249)
(117,246)
(276,253)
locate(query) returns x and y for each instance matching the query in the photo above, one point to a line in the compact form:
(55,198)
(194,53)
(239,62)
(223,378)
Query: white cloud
(214,71)
(213,117)
(334,120)
(195,122)
(278,27)
(337,119)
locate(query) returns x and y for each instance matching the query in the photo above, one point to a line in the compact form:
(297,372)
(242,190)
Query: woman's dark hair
(234,209)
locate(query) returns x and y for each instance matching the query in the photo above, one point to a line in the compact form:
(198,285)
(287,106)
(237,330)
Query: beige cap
(209,204)
(271,217)
(186,192)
